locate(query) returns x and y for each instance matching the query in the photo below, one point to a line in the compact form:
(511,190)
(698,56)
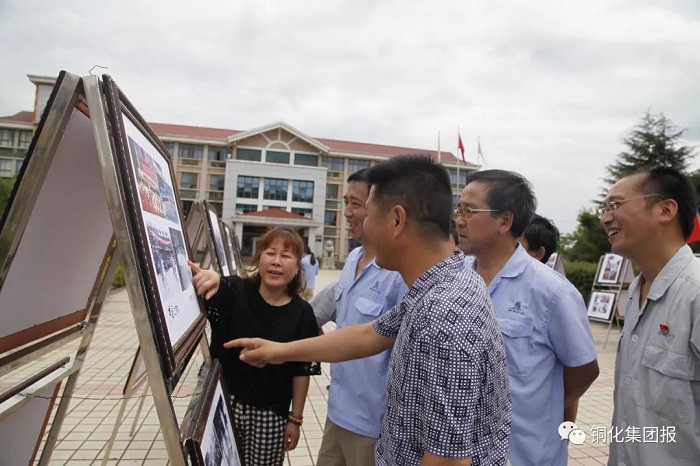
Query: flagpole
(458,156)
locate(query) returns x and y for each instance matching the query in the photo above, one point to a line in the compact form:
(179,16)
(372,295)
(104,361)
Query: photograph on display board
(552,261)
(230,249)
(215,230)
(610,269)
(601,305)
(210,438)
(173,305)
(239,255)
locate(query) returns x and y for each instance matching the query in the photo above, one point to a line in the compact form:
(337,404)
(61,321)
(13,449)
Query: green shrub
(582,275)
(118,280)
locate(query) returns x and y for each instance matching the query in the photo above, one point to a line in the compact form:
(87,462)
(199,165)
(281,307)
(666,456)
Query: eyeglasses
(612,206)
(467,213)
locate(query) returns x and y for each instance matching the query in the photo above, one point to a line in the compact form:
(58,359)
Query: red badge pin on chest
(664,329)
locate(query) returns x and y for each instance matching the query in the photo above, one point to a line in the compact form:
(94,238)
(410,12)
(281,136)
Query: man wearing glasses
(551,359)
(648,217)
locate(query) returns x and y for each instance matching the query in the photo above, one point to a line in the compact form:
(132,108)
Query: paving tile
(97,399)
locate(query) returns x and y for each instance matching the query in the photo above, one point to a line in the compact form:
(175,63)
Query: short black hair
(508,192)
(360,175)
(670,183)
(421,186)
(541,233)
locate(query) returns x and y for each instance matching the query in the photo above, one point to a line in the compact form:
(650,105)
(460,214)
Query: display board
(601,305)
(227,234)
(21,430)
(208,429)
(195,225)
(556,263)
(216,240)
(48,265)
(148,196)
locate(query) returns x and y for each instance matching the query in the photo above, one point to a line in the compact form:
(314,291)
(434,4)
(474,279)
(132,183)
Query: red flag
(695,234)
(460,146)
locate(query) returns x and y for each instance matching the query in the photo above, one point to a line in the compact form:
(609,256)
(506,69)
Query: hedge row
(582,275)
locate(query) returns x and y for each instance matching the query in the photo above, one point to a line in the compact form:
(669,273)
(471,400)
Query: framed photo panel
(210,436)
(601,304)
(152,210)
(552,261)
(195,225)
(217,240)
(239,255)
(227,233)
(610,269)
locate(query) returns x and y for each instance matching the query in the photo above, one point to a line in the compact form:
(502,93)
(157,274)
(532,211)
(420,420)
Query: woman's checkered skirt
(261,434)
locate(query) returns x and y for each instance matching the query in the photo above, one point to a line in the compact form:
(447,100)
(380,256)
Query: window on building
(356,165)
(308,213)
(191,151)
(7,167)
(332,191)
(186,206)
(188,181)
(170,146)
(273,156)
(254,155)
(7,138)
(309,160)
(455,200)
(334,163)
(330,217)
(302,191)
(217,153)
(275,189)
(216,182)
(25,138)
(246,208)
(248,187)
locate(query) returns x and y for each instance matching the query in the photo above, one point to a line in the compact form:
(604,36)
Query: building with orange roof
(271,175)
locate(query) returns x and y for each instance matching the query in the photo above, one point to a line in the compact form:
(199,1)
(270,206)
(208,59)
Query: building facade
(271,175)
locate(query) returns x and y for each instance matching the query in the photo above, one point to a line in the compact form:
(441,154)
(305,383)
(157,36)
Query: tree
(654,142)
(588,242)
(6,185)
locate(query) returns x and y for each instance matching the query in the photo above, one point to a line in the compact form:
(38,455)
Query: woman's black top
(238,311)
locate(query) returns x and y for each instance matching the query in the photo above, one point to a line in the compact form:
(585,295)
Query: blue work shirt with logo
(544,324)
(357,397)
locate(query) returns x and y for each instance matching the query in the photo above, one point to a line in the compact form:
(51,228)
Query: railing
(189,194)
(190,162)
(215,195)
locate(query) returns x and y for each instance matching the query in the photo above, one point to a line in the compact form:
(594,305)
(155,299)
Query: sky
(549,89)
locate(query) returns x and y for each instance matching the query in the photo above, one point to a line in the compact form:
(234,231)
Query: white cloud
(550,88)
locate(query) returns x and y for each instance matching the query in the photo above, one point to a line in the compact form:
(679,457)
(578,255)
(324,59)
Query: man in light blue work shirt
(357,396)
(551,359)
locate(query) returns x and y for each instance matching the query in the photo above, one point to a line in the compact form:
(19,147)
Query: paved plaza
(98,398)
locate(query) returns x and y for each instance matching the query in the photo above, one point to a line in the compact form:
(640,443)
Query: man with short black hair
(357,392)
(540,238)
(648,217)
(549,346)
(447,394)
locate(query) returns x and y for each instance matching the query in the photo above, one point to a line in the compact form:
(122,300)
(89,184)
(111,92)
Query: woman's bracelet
(297,421)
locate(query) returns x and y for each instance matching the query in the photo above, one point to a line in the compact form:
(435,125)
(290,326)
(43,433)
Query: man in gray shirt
(648,217)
